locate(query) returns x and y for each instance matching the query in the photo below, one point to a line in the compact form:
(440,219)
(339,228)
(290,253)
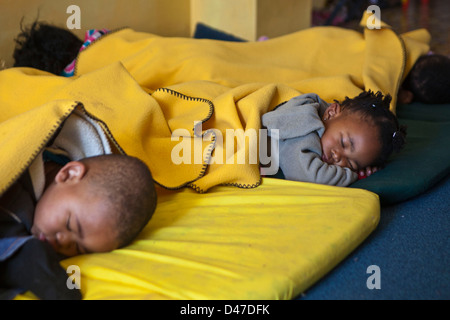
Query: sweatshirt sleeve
(300,151)
(300,161)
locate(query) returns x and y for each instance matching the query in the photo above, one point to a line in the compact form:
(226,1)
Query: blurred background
(247,19)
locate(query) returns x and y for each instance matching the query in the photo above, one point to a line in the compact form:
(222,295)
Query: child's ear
(332,111)
(404,96)
(73,171)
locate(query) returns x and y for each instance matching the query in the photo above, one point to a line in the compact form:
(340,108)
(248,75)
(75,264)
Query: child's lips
(42,237)
(324,158)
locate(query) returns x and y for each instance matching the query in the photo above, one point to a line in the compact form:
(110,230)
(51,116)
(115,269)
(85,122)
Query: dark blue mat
(203,31)
(411,246)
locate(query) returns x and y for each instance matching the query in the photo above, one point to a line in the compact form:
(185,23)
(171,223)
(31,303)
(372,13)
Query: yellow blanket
(157,128)
(330,61)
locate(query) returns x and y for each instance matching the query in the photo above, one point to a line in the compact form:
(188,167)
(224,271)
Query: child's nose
(63,238)
(336,155)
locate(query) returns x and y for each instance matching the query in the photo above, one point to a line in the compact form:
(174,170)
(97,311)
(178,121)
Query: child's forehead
(359,116)
(355,124)
(98,209)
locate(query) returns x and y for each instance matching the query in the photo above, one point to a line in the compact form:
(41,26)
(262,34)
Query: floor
(411,243)
(411,247)
(434,15)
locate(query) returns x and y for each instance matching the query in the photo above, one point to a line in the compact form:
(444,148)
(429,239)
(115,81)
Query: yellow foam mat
(271,242)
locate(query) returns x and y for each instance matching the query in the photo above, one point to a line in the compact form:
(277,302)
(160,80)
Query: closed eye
(352,167)
(77,246)
(68,223)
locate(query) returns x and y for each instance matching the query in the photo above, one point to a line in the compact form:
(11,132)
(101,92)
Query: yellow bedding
(269,242)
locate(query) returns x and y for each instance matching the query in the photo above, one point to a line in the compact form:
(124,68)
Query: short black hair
(375,108)
(128,186)
(429,79)
(45,47)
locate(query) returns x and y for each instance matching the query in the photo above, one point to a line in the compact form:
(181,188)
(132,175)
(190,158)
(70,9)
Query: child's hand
(364,173)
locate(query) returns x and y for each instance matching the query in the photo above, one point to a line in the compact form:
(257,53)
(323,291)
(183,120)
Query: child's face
(348,140)
(72,219)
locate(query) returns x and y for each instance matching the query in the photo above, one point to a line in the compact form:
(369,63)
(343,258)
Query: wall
(164,17)
(248,19)
(276,18)
(237,17)
(251,19)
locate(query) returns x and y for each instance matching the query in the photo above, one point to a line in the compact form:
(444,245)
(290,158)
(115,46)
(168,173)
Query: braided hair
(45,47)
(374,108)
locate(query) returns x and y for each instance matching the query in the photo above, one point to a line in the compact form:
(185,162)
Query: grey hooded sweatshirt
(300,129)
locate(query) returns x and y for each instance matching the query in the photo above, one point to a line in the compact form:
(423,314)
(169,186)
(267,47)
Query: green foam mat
(422,163)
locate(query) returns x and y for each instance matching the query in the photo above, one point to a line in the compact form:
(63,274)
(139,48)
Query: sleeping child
(96,204)
(428,81)
(333,143)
